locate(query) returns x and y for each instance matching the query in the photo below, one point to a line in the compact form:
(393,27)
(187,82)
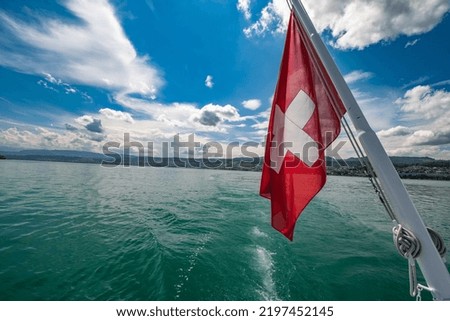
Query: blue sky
(76,74)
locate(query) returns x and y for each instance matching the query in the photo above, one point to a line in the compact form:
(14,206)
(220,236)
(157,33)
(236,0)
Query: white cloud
(244,7)
(214,115)
(46,85)
(185,117)
(273,18)
(70,127)
(209,81)
(51,79)
(84,120)
(94,51)
(41,137)
(90,131)
(424,111)
(395,131)
(116,114)
(357,75)
(90,123)
(356,24)
(412,43)
(442,83)
(252,104)
(429,137)
(65,87)
(261,125)
(417,81)
(359,23)
(422,102)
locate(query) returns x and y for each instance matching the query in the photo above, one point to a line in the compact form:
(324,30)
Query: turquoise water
(83,232)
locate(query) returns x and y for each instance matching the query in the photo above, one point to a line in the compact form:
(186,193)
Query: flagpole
(430,262)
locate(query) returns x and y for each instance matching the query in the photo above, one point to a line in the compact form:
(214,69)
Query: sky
(78,74)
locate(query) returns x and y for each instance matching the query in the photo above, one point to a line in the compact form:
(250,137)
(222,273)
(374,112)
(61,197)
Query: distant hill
(397,160)
(407,167)
(410,160)
(54,155)
(57,155)
(51,152)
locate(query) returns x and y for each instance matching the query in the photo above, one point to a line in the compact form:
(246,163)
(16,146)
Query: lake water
(83,232)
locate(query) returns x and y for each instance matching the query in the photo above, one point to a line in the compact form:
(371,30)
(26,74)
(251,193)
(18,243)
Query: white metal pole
(430,262)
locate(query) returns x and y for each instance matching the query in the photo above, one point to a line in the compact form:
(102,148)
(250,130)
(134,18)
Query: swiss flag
(305,119)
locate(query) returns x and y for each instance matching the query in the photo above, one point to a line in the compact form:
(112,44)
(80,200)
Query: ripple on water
(79,232)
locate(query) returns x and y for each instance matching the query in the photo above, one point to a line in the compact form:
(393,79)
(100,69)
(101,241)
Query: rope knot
(406,243)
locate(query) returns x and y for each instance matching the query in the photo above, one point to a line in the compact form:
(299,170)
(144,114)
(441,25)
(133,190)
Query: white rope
(438,242)
(408,246)
(406,243)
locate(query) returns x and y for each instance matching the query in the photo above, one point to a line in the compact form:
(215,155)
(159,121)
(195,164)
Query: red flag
(305,119)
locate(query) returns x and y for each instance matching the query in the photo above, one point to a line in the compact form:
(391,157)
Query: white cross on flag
(305,119)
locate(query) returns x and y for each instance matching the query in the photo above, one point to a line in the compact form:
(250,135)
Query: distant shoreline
(407,167)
